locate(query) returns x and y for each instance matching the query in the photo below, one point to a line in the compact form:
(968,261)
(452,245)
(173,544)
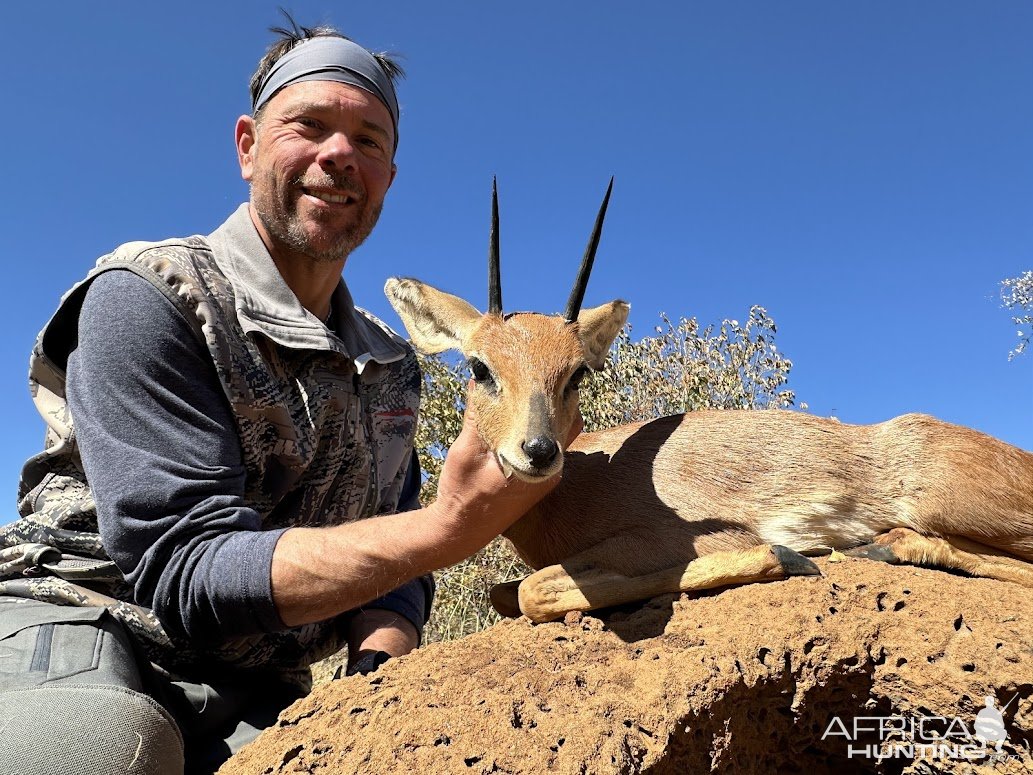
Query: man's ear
(246,136)
(436,321)
(598,327)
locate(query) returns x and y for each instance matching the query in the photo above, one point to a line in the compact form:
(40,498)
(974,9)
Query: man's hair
(295,34)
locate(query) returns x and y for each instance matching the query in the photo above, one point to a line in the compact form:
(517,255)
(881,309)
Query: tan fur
(638,504)
(528,355)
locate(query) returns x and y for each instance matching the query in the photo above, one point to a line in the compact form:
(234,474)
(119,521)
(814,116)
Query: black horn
(494,276)
(577,295)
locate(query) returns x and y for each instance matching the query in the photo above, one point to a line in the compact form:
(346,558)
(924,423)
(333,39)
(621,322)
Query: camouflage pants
(75,697)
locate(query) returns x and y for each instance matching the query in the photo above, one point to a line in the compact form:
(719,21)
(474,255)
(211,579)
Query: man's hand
(377,629)
(476,502)
(318,573)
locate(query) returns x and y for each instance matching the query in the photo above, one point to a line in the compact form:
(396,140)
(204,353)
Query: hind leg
(903,545)
(578,585)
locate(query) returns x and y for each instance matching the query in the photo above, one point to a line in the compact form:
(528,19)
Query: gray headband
(330,59)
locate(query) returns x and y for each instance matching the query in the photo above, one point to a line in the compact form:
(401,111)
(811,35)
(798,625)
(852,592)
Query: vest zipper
(372,483)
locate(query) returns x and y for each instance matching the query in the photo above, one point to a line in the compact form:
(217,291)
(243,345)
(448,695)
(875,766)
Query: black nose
(541,450)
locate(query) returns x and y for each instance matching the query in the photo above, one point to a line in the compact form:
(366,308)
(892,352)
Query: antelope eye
(481,373)
(576,377)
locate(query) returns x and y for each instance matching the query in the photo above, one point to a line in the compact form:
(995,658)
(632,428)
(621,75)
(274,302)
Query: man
(228,489)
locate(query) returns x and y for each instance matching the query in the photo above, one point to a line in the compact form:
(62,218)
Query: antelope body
(709,498)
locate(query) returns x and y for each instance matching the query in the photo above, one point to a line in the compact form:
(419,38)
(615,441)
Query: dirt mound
(744,680)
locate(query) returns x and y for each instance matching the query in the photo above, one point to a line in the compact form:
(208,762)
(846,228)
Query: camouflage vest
(326,436)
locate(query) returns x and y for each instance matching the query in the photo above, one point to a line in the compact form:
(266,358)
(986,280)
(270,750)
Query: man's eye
(309,123)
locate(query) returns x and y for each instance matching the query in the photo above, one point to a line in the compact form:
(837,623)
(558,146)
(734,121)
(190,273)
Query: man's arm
(159,446)
(320,572)
(393,624)
(375,629)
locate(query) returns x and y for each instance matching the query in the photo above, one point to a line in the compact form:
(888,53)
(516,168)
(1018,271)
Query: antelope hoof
(504,598)
(793,563)
(877,552)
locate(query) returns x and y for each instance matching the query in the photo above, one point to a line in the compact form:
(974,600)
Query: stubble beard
(286,226)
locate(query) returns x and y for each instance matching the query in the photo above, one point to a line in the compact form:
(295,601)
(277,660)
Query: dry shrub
(1017,296)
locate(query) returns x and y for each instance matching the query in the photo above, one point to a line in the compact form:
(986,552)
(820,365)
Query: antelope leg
(903,545)
(553,591)
(505,598)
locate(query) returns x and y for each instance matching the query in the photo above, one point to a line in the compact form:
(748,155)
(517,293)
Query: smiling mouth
(329,197)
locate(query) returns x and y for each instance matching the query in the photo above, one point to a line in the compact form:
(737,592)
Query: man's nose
(337,152)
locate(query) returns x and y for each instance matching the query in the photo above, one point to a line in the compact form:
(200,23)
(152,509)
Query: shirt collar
(266,304)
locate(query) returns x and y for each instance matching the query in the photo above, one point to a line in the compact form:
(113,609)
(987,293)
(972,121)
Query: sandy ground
(745,680)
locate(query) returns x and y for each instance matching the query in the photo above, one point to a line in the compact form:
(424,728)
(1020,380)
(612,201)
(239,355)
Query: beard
(284,223)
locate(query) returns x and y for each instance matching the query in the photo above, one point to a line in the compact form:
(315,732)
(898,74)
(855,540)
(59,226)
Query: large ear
(245,135)
(598,327)
(436,321)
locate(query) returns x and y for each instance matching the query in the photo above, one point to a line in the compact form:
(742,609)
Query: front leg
(575,585)
(505,598)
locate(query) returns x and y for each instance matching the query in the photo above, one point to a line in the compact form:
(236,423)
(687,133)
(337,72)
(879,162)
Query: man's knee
(72,698)
(87,728)
(46,644)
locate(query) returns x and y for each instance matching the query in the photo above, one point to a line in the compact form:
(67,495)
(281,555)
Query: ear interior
(436,321)
(598,327)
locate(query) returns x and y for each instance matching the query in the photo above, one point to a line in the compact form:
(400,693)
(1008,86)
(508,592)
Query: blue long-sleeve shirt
(159,446)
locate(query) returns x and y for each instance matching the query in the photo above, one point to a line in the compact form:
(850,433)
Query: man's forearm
(318,573)
(322,572)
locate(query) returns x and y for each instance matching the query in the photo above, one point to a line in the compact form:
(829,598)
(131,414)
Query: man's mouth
(330,197)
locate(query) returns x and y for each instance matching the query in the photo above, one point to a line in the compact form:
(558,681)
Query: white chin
(525,475)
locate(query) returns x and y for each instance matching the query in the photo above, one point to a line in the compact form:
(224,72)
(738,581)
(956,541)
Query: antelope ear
(436,321)
(598,327)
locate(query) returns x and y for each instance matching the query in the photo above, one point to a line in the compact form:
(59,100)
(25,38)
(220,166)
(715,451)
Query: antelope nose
(541,450)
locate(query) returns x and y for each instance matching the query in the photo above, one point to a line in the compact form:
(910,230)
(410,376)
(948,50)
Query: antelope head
(526,366)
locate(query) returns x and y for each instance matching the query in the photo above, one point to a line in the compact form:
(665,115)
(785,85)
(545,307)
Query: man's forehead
(328,93)
(330,58)
(332,96)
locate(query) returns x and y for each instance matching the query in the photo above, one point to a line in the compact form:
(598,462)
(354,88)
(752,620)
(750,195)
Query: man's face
(320,162)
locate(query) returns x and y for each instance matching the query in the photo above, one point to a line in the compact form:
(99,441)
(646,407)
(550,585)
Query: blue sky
(861,169)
